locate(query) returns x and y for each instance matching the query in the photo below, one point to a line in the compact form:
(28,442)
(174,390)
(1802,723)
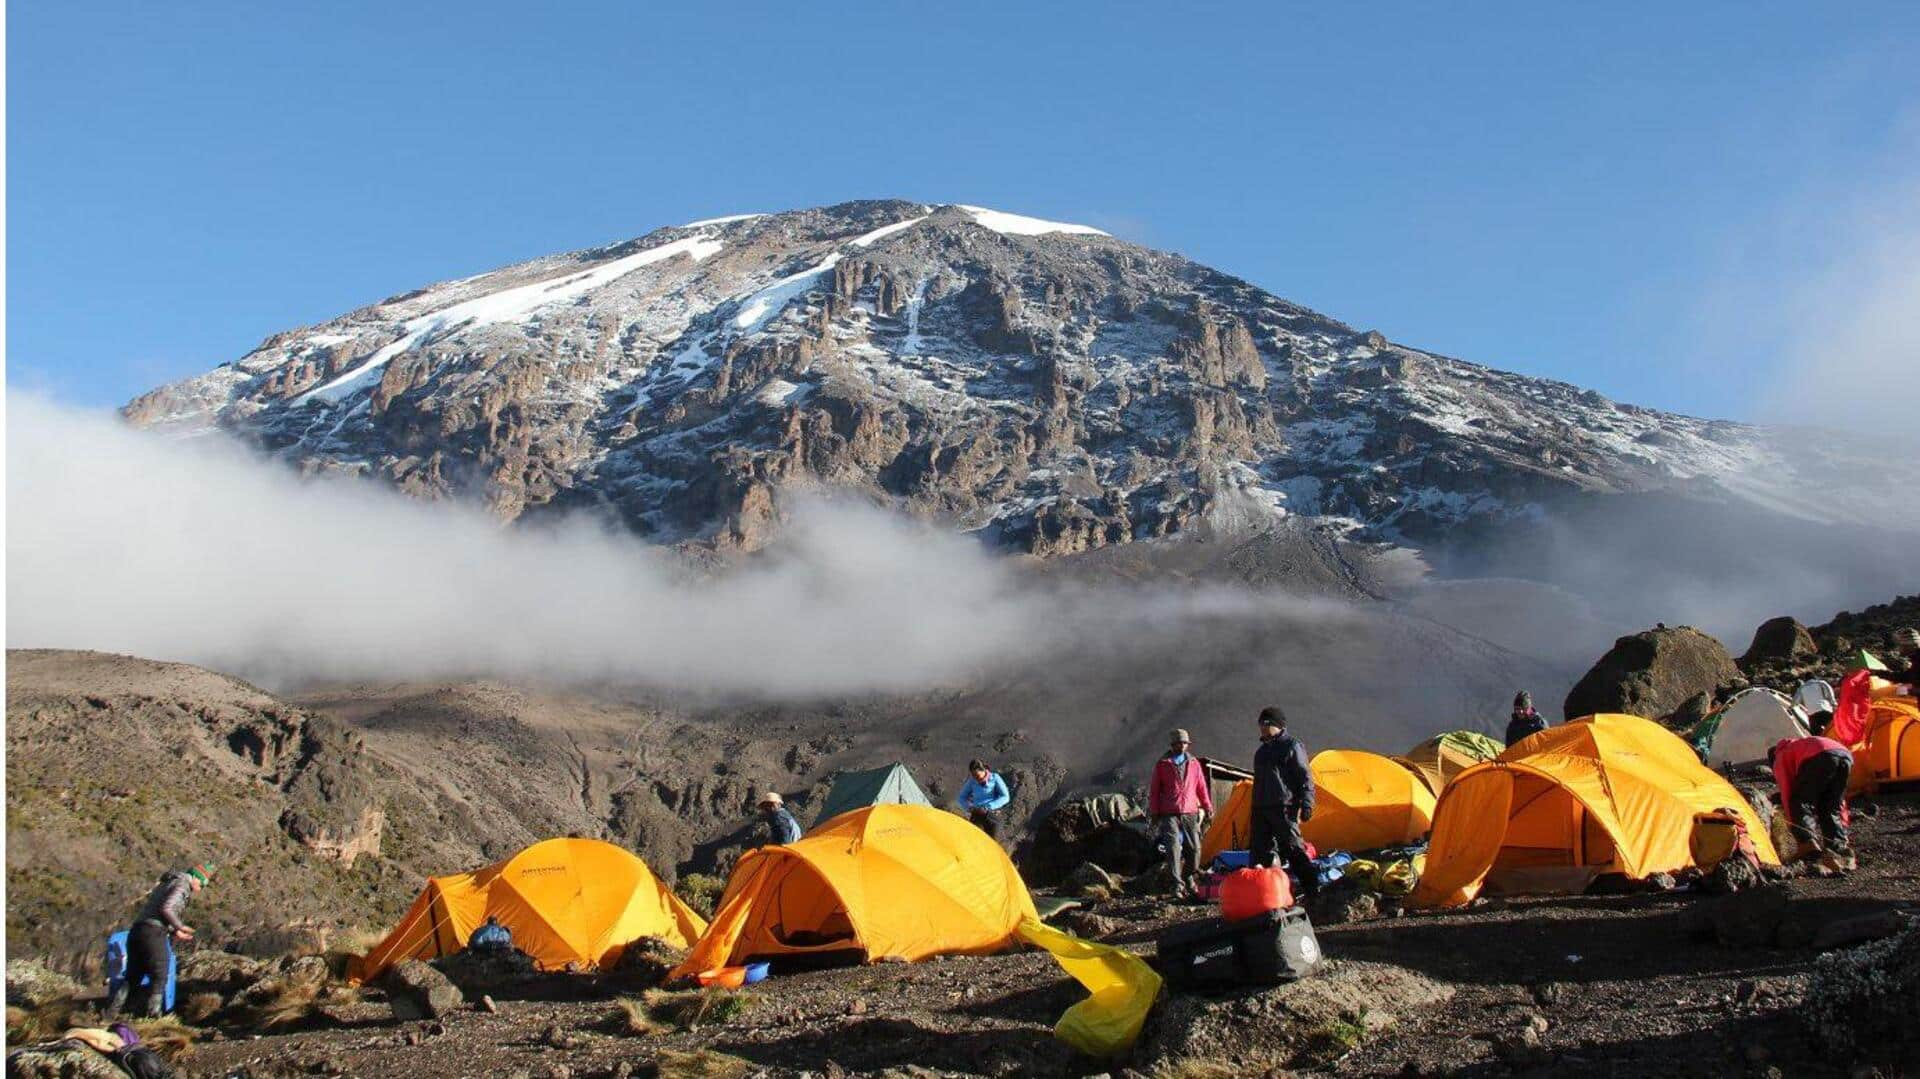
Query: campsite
(1542,909)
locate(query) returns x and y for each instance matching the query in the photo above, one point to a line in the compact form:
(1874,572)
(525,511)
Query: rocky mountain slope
(1046,384)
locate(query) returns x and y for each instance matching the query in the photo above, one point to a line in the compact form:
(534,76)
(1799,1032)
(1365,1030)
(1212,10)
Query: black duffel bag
(1275,947)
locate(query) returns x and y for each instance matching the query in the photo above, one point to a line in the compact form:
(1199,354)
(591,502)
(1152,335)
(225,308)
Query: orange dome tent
(1604,794)
(882,882)
(1361,801)
(1890,751)
(567,901)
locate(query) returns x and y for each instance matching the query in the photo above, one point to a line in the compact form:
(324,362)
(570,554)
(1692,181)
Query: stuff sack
(1275,947)
(1249,893)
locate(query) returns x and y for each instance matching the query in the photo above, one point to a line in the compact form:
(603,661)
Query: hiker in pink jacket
(1178,800)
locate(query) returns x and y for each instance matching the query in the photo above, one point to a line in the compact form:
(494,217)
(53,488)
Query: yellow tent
(1361,801)
(1890,753)
(1438,759)
(1364,800)
(1232,826)
(881,882)
(576,902)
(1604,794)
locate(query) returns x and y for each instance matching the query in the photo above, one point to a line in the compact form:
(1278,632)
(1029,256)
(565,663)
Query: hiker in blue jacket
(983,796)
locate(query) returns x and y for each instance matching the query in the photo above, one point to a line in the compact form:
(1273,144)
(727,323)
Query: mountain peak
(1037,380)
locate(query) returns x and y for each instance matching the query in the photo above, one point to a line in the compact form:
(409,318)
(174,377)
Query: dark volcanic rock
(418,991)
(1652,674)
(1779,640)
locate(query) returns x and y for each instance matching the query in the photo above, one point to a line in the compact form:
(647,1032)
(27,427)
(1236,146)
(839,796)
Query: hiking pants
(987,820)
(1819,792)
(146,969)
(1180,838)
(1276,832)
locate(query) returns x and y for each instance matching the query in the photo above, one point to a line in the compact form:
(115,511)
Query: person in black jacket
(1282,799)
(1525,721)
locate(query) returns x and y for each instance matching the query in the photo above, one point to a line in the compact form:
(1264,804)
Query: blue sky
(1624,197)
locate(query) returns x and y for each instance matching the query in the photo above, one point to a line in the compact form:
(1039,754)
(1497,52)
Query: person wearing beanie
(1178,801)
(1282,799)
(150,938)
(1524,721)
(781,828)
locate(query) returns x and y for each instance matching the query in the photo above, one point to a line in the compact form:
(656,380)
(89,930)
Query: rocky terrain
(325,809)
(1045,385)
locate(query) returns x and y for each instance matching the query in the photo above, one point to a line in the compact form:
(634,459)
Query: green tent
(1870,661)
(877,786)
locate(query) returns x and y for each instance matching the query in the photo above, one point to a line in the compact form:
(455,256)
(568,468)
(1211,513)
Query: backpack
(1720,835)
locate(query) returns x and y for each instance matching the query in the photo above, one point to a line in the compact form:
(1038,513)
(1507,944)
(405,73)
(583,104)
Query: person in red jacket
(1178,800)
(1812,775)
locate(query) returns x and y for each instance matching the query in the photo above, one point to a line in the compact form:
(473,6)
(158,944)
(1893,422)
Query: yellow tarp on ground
(1890,753)
(1438,759)
(567,901)
(1362,800)
(1604,794)
(1124,988)
(887,882)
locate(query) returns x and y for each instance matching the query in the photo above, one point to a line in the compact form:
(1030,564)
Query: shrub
(701,891)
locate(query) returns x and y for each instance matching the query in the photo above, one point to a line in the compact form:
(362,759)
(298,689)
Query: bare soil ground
(1611,985)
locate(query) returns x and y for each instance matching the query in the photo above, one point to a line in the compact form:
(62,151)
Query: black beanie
(1272,716)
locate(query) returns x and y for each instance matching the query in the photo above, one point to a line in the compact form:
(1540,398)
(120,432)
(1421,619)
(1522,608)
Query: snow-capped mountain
(1046,382)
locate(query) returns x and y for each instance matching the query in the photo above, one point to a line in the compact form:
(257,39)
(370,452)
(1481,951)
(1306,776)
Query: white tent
(1751,722)
(1815,696)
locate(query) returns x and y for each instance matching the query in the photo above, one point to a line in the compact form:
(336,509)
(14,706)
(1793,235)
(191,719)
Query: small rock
(556,1038)
(487,1005)
(1548,993)
(1538,1023)
(858,1006)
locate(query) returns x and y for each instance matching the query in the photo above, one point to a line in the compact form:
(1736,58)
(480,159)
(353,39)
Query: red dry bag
(1249,893)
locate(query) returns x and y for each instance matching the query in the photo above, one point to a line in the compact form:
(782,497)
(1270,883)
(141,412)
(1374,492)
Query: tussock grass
(26,1026)
(200,1007)
(699,1064)
(632,1018)
(688,1009)
(1196,1068)
(166,1035)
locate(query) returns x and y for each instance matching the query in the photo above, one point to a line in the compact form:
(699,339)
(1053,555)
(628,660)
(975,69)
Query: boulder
(1779,640)
(1343,901)
(220,973)
(1088,925)
(483,971)
(1863,1004)
(1108,830)
(1652,674)
(645,963)
(32,984)
(1087,877)
(418,991)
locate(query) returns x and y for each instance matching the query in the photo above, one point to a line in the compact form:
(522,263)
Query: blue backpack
(116,968)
